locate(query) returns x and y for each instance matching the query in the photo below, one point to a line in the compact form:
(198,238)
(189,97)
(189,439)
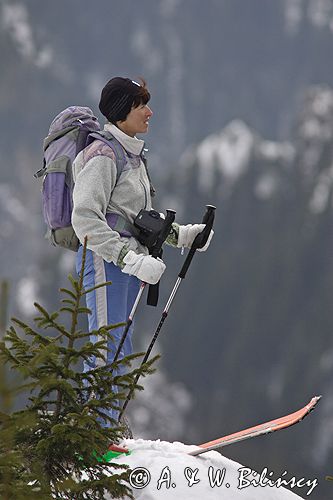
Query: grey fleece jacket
(96,193)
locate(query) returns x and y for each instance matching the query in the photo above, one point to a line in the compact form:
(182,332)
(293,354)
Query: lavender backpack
(70,132)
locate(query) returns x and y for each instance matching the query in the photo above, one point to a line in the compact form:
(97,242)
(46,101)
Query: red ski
(251,432)
(258,430)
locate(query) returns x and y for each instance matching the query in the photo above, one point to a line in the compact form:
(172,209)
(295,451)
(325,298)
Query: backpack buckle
(40,173)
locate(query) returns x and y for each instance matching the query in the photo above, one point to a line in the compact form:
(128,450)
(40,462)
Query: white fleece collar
(131,144)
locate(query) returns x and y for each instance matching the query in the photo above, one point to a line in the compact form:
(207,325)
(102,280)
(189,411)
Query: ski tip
(311,405)
(314,402)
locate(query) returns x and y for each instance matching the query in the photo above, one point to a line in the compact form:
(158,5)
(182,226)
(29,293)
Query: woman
(106,202)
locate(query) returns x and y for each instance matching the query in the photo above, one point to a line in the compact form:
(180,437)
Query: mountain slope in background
(254,319)
(206,63)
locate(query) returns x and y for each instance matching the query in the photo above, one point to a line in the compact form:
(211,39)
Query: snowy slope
(169,473)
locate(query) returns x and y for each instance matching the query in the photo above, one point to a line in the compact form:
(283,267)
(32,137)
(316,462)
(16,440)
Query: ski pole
(199,242)
(170,217)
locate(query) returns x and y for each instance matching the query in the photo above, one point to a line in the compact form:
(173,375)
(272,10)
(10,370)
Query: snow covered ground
(163,471)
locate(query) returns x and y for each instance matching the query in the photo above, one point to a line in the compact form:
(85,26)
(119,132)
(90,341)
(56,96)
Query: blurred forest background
(242,94)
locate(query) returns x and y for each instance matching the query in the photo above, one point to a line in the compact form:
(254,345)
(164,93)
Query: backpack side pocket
(56,194)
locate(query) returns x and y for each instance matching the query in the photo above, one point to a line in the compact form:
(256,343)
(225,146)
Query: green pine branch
(52,443)
(16,479)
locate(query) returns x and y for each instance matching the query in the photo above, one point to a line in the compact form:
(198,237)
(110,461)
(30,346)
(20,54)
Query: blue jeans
(109,305)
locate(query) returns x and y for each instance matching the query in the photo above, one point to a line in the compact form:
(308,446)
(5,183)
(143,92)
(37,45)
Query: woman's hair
(143,95)
(120,95)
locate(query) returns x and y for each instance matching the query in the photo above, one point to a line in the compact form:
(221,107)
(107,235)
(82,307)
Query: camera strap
(153,290)
(121,225)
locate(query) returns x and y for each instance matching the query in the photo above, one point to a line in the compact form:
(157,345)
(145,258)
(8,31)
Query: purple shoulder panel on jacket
(98,148)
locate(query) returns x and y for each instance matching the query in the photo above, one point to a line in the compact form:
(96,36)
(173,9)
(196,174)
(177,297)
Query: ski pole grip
(208,219)
(200,240)
(170,217)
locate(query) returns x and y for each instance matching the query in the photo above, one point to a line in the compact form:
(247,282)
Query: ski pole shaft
(129,321)
(152,343)
(170,217)
(199,242)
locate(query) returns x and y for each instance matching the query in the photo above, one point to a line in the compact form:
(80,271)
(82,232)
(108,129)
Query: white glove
(144,267)
(209,239)
(187,235)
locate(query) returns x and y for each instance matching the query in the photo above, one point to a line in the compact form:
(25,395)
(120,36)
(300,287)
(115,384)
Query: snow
(272,152)
(10,203)
(26,295)
(293,15)
(163,470)
(15,20)
(266,186)
(227,152)
(169,7)
(67,262)
(323,101)
(141,43)
(277,151)
(317,113)
(321,193)
(318,12)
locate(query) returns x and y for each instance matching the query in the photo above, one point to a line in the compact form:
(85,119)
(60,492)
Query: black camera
(150,224)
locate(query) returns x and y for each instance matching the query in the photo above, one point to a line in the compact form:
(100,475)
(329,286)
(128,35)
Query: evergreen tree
(16,481)
(55,444)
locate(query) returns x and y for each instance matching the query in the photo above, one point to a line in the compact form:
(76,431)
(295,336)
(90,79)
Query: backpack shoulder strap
(120,152)
(145,162)
(115,145)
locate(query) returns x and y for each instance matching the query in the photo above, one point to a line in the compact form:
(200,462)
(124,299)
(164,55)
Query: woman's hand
(144,267)
(188,233)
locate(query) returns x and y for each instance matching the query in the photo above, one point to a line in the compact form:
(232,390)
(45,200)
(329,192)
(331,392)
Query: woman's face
(137,121)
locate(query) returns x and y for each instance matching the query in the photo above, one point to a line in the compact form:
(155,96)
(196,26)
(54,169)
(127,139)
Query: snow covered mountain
(206,63)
